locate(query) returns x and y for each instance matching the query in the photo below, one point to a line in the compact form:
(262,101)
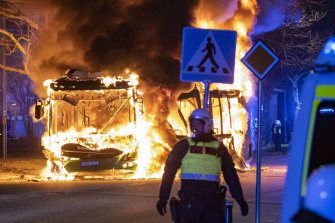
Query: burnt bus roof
(66,84)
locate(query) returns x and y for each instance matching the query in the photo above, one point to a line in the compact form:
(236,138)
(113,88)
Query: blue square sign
(208,55)
(260,59)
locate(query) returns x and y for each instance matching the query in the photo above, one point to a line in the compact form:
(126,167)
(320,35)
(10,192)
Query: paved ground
(116,201)
(131,201)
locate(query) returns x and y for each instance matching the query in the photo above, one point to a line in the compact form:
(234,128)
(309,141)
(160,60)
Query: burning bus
(83,116)
(94,123)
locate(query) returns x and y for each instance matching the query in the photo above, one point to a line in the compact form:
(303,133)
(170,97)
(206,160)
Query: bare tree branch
(17,43)
(299,40)
(27,20)
(13,69)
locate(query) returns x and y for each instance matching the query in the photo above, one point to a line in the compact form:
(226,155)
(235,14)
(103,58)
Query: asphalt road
(119,200)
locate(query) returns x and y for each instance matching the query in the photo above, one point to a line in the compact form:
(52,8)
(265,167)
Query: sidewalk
(273,164)
(23,166)
(271,158)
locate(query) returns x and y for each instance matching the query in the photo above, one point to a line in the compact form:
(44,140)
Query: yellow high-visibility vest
(201,161)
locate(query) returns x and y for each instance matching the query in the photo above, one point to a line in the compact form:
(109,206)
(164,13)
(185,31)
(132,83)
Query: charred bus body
(222,104)
(83,114)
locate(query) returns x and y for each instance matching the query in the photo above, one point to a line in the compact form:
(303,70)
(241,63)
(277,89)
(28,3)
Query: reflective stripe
(212,178)
(327,91)
(196,176)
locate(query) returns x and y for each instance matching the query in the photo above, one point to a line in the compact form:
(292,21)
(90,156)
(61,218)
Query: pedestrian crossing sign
(208,55)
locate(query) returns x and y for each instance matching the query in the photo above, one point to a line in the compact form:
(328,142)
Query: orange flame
(145,139)
(136,136)
(241,21)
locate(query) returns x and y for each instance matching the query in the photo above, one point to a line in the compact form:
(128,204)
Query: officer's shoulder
(214,138)
(182,142)
(222,146)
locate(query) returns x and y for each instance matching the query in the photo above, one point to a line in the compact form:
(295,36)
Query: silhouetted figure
(210,50)
(276,135)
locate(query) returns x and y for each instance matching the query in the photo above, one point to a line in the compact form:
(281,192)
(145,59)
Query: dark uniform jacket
(199,187)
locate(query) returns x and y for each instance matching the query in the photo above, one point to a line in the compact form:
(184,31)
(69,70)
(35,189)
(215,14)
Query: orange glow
(96,128)
(206,24)
(242,22)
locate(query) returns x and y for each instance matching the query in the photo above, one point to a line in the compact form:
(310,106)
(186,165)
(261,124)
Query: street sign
(208,55)
(260,59)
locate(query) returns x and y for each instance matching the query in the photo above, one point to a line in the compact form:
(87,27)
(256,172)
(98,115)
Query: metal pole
(4,101)
(206,96)
(284,119)
(134,102)
(15,117)
(221,118)
(258,180)
(229,211)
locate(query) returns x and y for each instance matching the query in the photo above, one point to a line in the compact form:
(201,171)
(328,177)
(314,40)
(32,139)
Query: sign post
(208,56)
(206,96)
(4,101)
(260,60)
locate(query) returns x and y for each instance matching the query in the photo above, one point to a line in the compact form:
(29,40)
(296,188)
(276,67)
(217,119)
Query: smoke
(109,36)
(217,10)
(272,15)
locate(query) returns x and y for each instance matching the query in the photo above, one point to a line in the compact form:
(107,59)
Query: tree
(299,41)
(20,88)
(16,31)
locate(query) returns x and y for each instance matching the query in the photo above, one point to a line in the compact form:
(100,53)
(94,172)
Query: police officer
(276,135)
(201,159)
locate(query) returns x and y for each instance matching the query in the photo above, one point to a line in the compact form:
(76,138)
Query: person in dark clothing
(276,135)
(201,159)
